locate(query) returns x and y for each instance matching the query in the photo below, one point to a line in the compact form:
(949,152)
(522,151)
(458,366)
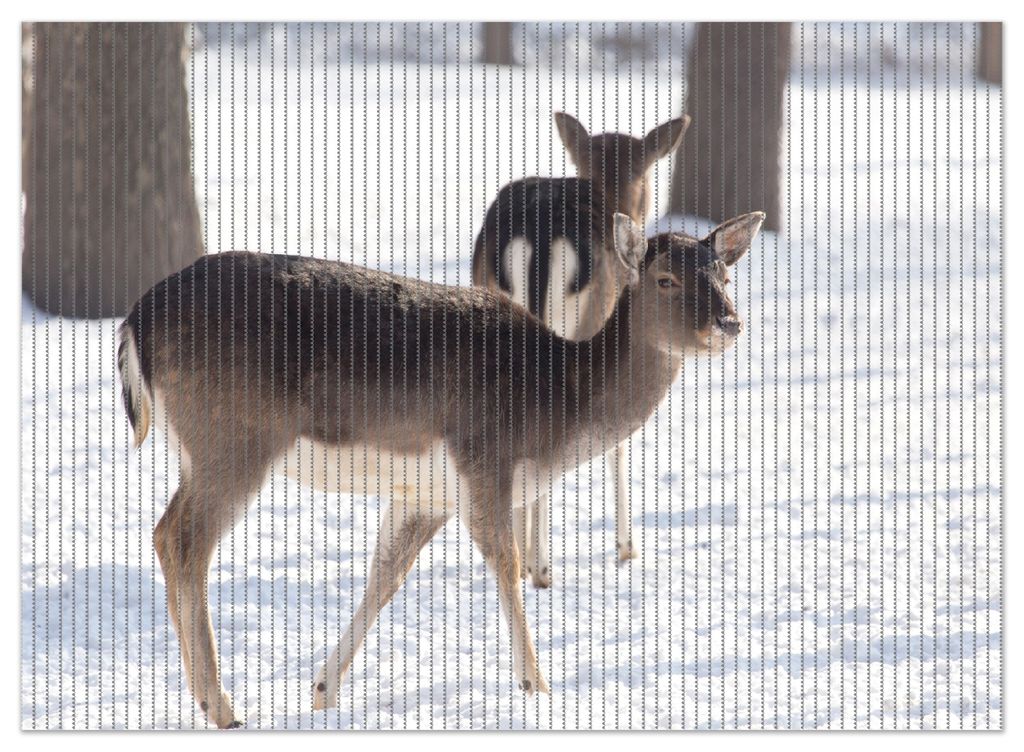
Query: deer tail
(135,390)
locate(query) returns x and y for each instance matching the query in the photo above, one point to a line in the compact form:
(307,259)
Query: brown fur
(620,164)
(262,350)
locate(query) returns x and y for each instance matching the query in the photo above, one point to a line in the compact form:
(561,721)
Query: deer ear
(630,247)
(574,136)
(733,237)
(664,139)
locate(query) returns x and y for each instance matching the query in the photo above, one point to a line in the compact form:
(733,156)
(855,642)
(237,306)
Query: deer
(243,357)
(537,245)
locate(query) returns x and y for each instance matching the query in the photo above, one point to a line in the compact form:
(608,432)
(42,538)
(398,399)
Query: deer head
(620,164)
(680,282)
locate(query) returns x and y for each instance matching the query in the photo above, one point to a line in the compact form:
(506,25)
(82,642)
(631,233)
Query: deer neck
(622,374)
(627,196)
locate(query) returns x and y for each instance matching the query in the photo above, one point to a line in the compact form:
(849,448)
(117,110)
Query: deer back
(545,243)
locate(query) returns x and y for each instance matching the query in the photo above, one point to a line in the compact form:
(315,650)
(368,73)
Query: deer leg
(166,544)
(204,507)
(522,516)
(532,527)
(532,531)
(405,529)
(538,547)
(623,519)
(205,680)
(184,541)
(489,521)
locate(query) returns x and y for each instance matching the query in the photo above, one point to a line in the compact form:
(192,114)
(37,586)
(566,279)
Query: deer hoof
(234,724)
(321,699)
(535,682)
(542,578)
(626,551)
(218,710)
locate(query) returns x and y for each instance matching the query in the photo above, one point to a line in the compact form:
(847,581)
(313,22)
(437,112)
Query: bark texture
(729,160)
(498,43)
(110,207)
(990,52)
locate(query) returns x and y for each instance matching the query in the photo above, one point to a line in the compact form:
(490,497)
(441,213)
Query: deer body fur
(250,359)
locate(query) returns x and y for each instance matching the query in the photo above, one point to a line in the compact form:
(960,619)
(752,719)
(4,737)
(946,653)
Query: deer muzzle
(729,326)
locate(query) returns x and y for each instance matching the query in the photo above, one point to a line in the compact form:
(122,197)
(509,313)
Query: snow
(819,510)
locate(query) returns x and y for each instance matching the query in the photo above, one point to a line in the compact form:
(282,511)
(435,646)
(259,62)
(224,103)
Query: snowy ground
(819,510)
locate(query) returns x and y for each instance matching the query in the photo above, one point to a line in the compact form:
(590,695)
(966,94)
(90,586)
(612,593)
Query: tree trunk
(990,52)
(26,97)
(498,43)
(110,204)
(729,160)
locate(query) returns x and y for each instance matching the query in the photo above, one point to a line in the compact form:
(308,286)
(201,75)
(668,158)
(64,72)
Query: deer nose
(729,325)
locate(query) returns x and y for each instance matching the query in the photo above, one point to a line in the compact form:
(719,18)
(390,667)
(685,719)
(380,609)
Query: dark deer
(247,356)
(542,244)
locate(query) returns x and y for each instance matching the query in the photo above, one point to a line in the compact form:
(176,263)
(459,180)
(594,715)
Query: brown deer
(246,356)
(538,246)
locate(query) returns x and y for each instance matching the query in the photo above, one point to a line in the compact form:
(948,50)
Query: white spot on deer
(564,308)
(515,261)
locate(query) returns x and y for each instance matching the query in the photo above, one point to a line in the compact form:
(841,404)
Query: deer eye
(667,282)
